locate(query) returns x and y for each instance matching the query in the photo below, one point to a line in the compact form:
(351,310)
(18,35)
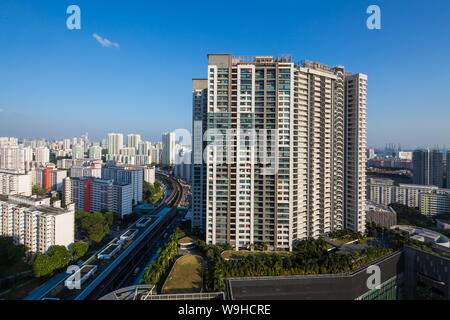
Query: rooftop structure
(423,235)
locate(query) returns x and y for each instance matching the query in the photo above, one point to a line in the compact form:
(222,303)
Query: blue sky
(58,83)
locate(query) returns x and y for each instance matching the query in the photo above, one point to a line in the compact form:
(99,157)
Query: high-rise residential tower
(133,140)
(168,142)
(115,143)
(283,149)
(428,167)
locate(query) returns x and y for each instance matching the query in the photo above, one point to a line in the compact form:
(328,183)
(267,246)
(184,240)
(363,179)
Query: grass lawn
(244,253)
(185,276)
(188,239)
(364,241)
(343,240)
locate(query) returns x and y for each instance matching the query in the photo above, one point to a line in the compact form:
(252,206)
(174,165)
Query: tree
(152,193)
(11,253)
(109,217)
(79,249)
(59,256)
(42,265)
(39,191)
(96,226)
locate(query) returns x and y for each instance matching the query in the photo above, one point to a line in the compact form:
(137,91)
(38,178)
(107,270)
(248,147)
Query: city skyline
(126,86)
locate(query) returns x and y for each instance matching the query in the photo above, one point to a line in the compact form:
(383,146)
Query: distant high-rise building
(115,143)
(370,153)
(95,152)
(437,168)
(15,157)
(42,155)
(168,141)
(133,140)
(77,152)
(66,144)
(428,167)
(5,141)
(404,155)
(311,176)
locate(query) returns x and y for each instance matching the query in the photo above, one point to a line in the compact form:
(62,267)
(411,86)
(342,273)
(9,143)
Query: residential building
(84,171)
(405,155)
(42,155)
(383,191)
(380,214)
(93,195)
(133,141)
(78,152)
(14,157)
(115,143)
(430,200)
(433,203)
(69,163)
(168,141)
(199,125)
(49,177)
(34,223)
(428,167)
(14,182)
(149,174)
(95,153)
(122,175)
(310,177)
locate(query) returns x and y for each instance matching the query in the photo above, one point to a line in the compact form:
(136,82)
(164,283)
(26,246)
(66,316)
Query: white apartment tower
(168,142)
(133,140)
(115,143)
(34,223)
(293,140)
(95,153)
(15,157)
(42,155)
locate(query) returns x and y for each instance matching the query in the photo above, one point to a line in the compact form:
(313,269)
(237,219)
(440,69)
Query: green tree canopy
(11,253)
(79,249)
(59,256)
(96,226)
(42,265)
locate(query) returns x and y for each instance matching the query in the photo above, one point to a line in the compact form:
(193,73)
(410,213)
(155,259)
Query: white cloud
(105,42)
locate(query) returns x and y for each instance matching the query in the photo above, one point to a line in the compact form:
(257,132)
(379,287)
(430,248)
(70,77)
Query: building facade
(13,157)
(428,167)
(294,150)
(115,143)
(123,175)
(36,225)
(149,174)
(94,195)
(168,146)
(15,182)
